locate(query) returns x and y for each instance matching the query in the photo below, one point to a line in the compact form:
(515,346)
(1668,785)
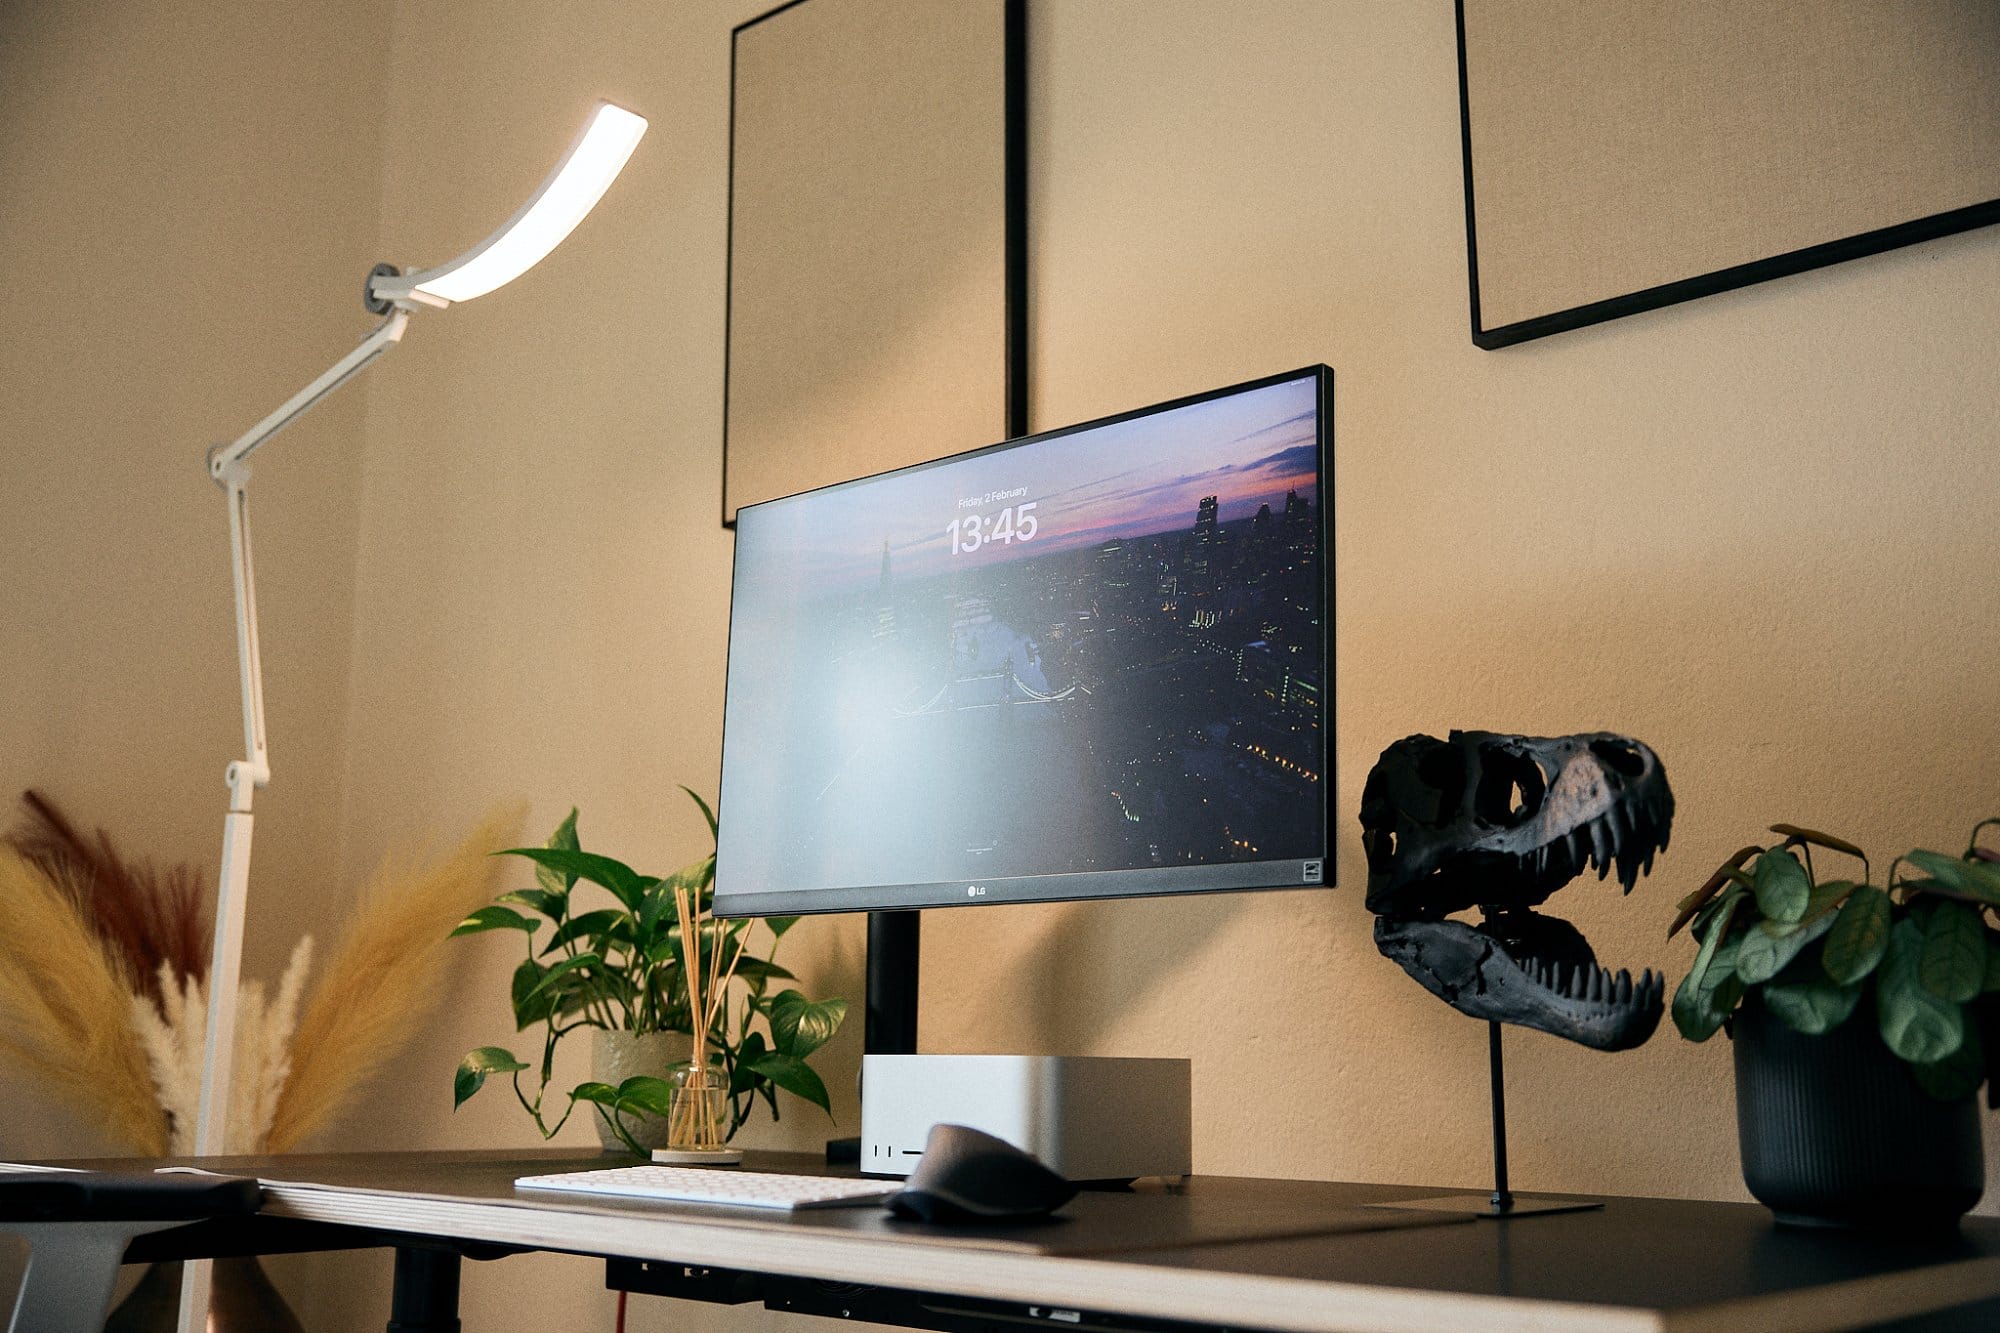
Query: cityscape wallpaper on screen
(1098,652)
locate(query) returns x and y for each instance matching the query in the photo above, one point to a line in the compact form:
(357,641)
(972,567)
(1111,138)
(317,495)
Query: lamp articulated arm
(229,466)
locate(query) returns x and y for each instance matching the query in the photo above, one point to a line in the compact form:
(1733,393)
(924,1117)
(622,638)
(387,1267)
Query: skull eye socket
(1510,791)
(1621,757)
(1380,845)
(1442,769)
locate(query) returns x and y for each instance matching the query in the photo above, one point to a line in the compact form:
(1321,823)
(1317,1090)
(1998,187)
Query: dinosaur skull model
(1500,823)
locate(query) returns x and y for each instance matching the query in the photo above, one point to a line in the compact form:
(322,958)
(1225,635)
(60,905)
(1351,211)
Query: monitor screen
(1088,663)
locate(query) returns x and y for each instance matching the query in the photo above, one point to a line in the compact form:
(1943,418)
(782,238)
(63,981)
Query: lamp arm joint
(227,461)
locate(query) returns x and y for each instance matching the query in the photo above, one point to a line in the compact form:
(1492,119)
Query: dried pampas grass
(146,916)
(383,977)
(175,1036)
(64,1007)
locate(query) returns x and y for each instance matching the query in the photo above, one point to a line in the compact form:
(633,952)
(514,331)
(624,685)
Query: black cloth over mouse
(969,1176)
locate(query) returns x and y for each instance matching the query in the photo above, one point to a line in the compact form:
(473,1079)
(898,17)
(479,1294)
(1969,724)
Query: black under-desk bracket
(866,1304)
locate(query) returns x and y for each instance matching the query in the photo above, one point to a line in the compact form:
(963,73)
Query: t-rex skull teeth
(1500,823)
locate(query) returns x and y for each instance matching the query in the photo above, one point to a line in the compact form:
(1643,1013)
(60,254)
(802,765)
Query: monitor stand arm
(894,949)
(890,1023)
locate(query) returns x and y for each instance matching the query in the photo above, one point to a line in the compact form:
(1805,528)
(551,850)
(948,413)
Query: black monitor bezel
(1082,885)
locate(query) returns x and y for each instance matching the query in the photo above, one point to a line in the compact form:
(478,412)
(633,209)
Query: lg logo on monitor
(975,890)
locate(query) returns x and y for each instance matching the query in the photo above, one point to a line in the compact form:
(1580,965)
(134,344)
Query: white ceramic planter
(617,1056)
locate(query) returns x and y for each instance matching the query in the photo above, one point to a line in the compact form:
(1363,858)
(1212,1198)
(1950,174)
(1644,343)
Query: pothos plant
(1919,956)
(625,966)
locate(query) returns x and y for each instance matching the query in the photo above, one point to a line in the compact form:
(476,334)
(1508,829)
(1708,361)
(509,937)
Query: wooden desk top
(1270,1254)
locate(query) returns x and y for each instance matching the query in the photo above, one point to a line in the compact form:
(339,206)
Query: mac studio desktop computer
(1091,663)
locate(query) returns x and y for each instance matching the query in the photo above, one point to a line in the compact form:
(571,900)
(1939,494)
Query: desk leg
(426,1295)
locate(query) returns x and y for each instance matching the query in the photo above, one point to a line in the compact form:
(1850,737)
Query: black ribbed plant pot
(1834,1131)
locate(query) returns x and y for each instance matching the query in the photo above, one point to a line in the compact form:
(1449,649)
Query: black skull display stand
(1499,823)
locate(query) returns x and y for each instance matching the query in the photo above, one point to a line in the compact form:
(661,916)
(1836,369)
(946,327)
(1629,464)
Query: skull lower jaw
(1527,969)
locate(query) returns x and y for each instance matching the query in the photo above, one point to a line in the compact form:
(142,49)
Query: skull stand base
(1501,1203)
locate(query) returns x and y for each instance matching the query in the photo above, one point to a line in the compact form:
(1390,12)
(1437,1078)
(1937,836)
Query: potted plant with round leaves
(630,970)
(1864,1017)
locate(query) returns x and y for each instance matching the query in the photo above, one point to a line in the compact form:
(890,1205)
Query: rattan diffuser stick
(695,1123)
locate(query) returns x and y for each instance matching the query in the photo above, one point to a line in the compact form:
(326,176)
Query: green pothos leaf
(551,905)
(753,968)
(551,878)
(474,1068)
(564,969)
(625,884)
(644,1092)
(594,1090)
(493,917)
(800,1026)
(743,1077)
(706,812)
(794,1076)
(605,922)
(532,1004)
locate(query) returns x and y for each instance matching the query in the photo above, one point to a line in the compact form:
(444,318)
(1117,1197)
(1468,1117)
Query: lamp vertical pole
(225,963)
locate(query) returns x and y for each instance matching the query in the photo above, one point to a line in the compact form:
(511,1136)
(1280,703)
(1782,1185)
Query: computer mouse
(968,1176)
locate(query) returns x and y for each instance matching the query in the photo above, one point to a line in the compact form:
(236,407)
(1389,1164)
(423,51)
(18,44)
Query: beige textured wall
(189,206)
(1755,531)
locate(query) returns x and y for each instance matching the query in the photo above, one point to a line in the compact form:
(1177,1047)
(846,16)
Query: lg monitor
(1089,663)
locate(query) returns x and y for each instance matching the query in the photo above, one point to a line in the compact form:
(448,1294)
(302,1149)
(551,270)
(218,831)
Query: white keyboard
(744,1189)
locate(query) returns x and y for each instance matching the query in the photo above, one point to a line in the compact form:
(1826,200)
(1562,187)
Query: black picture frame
(1015,244)
(1727,278)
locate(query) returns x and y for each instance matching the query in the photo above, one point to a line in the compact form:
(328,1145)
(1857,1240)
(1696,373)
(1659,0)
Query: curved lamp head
(539,226)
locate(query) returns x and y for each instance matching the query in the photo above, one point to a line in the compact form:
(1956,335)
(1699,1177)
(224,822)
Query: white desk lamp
(570,192)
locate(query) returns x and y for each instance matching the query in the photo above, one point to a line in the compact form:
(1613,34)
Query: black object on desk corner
(77,1224)
(968,1176)
(86,1196)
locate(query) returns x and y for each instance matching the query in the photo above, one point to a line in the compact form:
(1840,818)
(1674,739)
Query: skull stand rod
(1501,1203)
(1503,1198)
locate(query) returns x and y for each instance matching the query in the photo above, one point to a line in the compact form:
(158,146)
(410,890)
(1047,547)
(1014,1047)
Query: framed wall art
(877,240)
(1622,155)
